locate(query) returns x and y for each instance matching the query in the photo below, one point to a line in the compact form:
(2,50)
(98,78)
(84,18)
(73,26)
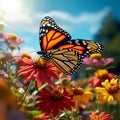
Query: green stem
(26,93)
(43,86)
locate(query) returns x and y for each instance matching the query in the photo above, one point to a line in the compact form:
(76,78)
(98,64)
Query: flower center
(56,94)
(114,88)
(40,63)
(78,91)
(13,36)
(101,73)
(97,56)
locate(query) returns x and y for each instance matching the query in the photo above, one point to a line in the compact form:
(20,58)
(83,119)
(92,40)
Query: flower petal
(117,96)
(110,99)
(87,61)
(53,73)
(27,61)
(25,70)
(100,90)
(107,60)
(29,76)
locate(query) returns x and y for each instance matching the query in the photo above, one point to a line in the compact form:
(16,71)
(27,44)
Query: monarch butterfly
(58,47)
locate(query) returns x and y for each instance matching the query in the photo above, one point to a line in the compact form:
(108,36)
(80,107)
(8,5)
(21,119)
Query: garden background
(93,20)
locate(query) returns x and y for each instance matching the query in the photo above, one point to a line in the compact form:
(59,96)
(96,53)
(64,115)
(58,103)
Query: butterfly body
(46,55)
(58,47)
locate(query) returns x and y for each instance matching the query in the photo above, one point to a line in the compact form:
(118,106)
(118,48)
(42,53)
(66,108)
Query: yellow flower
(97,56)
(101,73)
(109,91)
(12,35)
(80,96)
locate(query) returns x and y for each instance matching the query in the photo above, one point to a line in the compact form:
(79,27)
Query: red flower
(36,70)
(20,59)
(53,100)
(100,76)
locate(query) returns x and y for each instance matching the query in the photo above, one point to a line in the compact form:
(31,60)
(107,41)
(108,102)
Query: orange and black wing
(68,57)
(51,36)
(67,60)
(57,46)
(84,47)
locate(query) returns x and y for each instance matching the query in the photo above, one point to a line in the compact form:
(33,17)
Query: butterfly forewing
(51,36)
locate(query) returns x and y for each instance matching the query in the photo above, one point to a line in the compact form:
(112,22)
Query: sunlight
(10,6)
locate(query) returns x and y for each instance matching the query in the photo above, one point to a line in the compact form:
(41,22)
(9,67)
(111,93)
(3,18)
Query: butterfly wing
(67,60)
(51,36)
(57,46)
(84,47)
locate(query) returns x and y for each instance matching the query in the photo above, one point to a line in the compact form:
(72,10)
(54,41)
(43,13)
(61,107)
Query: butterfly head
(47,56)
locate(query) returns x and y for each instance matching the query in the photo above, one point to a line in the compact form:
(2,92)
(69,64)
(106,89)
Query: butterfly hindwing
(51,36)
(67,60)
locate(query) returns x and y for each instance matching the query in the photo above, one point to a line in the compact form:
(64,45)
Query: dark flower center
(78,91)
(102,74)
(114,88)
(40,63)
(56,94)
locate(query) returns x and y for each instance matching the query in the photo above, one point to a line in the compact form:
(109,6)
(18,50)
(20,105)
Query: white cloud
(82,18)
(30,22)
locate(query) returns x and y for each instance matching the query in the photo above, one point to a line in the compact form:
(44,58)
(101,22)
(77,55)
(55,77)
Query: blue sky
(81,18)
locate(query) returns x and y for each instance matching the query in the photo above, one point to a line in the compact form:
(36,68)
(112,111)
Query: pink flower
(12,40)
(97,60)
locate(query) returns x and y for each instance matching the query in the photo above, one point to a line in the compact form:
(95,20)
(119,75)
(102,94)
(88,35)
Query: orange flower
(80,96)
(36,70)
(101,116)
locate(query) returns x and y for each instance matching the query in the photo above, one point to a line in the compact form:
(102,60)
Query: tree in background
(109,36)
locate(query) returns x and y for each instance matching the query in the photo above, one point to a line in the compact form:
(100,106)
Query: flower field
(34,89)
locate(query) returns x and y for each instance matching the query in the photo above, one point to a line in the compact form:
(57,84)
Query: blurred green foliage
(109,36)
